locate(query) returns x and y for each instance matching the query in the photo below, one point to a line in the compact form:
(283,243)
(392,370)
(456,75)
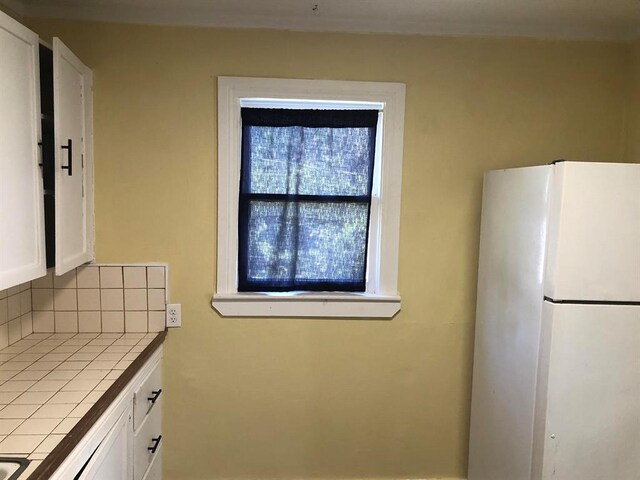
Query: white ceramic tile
(156,321)
(25,286)
(14,306)
(80,385)
(135,277)
(156,299)
(42,299)
(111,277)
(49,443)
(32,398)
(68,280)
(101,365)
(118,349)
(43,282)
(55,357)
(43,321)
(26,324)
(43,365)
(48,385)
(66,321)
(87,335)
(8,397)
(65,425)
(135,299)
(113,374)
(123,364)
(98,342)
(61,375)
(74,366)
(92,349)
(88,277)
(104,385)
(81,409)
(20,444)
(91,374)
(13,290)
(93,397)
(83,356)
(110,356)
(65,299)
(25,302)
(89,299)
(112,299)
(155,277)
(30,375)
(16,385)
(15,330)
(67,349)
(49,410)
(3,293)
(4,311)
(8,425)
(135,321)
(73,397)
(18,411)
(113,321)
(27,357)
(34,426)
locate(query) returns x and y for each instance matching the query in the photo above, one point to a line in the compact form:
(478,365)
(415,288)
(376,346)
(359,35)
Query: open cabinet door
(22,251)
(73,119)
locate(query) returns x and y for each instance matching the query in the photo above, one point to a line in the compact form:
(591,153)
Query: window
(298,235)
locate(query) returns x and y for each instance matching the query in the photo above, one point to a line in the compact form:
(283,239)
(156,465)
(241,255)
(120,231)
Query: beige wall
(296,398)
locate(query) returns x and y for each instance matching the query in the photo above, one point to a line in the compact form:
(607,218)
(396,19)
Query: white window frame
(381,300)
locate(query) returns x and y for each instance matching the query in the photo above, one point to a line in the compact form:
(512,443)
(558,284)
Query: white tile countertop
(48,381)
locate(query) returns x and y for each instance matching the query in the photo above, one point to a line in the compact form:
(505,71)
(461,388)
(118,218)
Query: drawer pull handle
(155,442)
(154,395)
(69,148)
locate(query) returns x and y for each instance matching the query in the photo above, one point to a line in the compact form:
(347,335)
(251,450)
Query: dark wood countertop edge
(51,463)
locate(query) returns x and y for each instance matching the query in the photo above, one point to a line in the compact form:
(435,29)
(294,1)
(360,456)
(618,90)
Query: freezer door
(592,414)
(594,233)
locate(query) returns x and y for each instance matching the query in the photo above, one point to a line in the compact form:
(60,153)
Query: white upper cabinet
(22,248)
(593,250)
(73,119)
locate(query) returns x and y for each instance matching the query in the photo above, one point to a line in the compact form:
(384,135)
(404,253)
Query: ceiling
(576,19)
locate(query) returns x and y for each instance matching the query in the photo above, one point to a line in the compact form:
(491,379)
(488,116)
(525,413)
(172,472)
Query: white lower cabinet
(115,448)
(113,458)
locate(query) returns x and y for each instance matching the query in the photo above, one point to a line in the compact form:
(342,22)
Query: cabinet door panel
(22,254)
(74,180)
(112,459)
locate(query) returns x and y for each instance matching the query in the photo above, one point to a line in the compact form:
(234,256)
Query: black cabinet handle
(154,395)
(155,442)
(69,148)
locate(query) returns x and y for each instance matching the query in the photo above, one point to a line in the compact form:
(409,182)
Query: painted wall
(633,109)
(299,398)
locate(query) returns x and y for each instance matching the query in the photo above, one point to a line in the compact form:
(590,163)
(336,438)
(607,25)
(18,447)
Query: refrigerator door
(508,316)
(594,233)
(589,378)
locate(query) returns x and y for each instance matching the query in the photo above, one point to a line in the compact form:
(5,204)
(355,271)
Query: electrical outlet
(174,315)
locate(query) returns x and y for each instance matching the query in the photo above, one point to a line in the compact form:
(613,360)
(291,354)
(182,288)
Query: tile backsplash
(91,298)
(16,319)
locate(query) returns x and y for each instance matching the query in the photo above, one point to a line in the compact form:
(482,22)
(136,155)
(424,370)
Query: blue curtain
(305,197)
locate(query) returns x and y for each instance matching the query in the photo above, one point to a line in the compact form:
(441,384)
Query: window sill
(306,305)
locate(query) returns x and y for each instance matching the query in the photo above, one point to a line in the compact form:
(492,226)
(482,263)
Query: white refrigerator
(556,374)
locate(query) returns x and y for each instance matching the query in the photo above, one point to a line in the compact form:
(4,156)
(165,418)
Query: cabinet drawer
(155,469)
(147,437)
(147,396)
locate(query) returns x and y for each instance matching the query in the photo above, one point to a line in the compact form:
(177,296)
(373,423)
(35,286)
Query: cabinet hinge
(82,160)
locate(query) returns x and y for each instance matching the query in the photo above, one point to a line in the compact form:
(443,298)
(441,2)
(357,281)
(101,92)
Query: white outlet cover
(174,315)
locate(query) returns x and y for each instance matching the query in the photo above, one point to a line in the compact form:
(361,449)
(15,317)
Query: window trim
(381,299)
